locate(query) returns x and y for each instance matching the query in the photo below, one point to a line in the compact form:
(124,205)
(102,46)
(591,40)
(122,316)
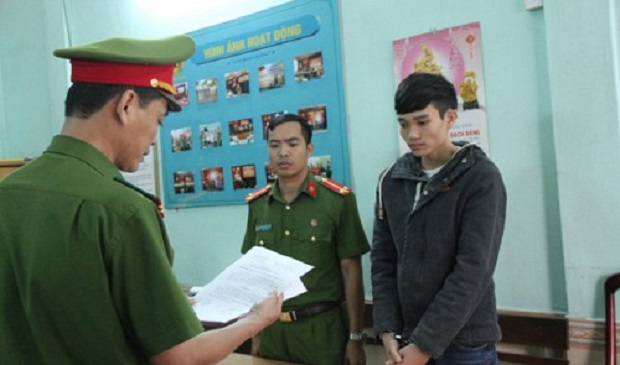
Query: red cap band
(133,74)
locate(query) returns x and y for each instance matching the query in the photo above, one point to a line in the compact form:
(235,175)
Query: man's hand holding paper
(246,282)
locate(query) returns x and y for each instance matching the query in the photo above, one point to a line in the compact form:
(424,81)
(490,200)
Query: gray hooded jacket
(433,264)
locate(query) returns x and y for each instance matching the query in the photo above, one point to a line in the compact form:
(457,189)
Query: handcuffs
(401,341)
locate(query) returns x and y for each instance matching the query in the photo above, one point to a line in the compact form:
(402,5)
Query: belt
(313,310)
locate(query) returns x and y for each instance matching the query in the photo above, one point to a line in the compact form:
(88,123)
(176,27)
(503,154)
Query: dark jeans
(461,355)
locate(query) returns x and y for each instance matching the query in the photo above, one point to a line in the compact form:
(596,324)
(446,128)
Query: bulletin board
(286,59)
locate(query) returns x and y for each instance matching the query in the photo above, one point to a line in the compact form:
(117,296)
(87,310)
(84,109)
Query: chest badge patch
(262,228)
(314,222)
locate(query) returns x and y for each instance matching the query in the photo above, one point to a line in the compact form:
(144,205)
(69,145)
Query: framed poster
(245,72)
(456,54)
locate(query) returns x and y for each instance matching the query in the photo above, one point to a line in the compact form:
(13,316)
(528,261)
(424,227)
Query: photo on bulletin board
(181,95)
(316,117)
(241,131)
(211,135)
(213,179)
(270,174)
(244,73)
(184,182)
(244,177)
(237,84)
(321,166)
(206,91)
(271,76)
(308,67)
(267,118)
(181,139)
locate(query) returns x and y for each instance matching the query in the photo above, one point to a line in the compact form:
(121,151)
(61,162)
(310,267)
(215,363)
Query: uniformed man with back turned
(314,220)
(85,262)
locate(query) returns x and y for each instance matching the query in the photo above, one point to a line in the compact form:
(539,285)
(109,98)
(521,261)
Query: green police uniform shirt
(85,265)
(321,227)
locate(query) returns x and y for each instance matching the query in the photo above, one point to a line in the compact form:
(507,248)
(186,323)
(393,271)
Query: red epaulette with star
(258,193)
(335,186)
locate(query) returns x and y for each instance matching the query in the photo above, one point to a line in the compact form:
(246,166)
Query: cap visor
(173,105)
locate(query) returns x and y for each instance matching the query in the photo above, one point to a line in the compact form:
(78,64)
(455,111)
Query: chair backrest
(612,283)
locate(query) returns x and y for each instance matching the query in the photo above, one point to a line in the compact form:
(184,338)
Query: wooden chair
(612,284)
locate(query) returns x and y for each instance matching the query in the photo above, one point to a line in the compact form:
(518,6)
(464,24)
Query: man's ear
(450,117)
(310,149)
(125,103)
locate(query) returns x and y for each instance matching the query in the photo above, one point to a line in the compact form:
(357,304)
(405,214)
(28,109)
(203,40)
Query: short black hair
(306,129)
(84,99)
(418,90)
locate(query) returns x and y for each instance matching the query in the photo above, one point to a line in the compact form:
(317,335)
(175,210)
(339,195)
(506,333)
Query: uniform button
(261,242)
(288,207)
(425,192)
(287,233)
(312,238)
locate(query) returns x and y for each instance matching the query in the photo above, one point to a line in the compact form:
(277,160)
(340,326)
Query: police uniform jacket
(85,265)
(321,227)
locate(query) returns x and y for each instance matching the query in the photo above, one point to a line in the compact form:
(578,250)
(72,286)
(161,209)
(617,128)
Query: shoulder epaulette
(335,186)
(147,195)
(258,193)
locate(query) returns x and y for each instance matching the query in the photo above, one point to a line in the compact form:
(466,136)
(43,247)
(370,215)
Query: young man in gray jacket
(439,219)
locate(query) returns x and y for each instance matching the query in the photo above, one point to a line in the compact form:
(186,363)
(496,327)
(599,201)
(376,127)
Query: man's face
(425,132)
(288,151)
(140,133)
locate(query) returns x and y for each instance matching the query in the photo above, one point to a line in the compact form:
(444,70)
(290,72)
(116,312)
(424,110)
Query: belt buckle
(285,317)
(288,316)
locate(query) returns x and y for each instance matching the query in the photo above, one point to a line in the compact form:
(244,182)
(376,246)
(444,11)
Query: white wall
(4,143)
(23,58)
(581,42)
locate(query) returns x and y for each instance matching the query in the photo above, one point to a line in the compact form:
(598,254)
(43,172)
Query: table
(241,359)
(10,165)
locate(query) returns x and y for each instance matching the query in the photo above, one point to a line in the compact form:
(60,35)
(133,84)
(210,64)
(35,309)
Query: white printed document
(249,280)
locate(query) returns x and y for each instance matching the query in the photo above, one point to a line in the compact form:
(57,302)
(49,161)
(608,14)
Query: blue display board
(283,60)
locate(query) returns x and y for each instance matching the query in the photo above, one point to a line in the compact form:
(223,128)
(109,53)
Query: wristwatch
(361,336)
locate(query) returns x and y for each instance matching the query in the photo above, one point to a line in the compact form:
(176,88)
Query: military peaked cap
(132,62)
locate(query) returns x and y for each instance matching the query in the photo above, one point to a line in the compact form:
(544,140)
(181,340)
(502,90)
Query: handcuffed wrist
(401,342)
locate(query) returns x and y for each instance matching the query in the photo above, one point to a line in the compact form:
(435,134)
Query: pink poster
(456,54)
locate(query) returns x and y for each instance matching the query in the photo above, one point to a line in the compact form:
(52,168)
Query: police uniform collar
(84,152)
(308,187)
